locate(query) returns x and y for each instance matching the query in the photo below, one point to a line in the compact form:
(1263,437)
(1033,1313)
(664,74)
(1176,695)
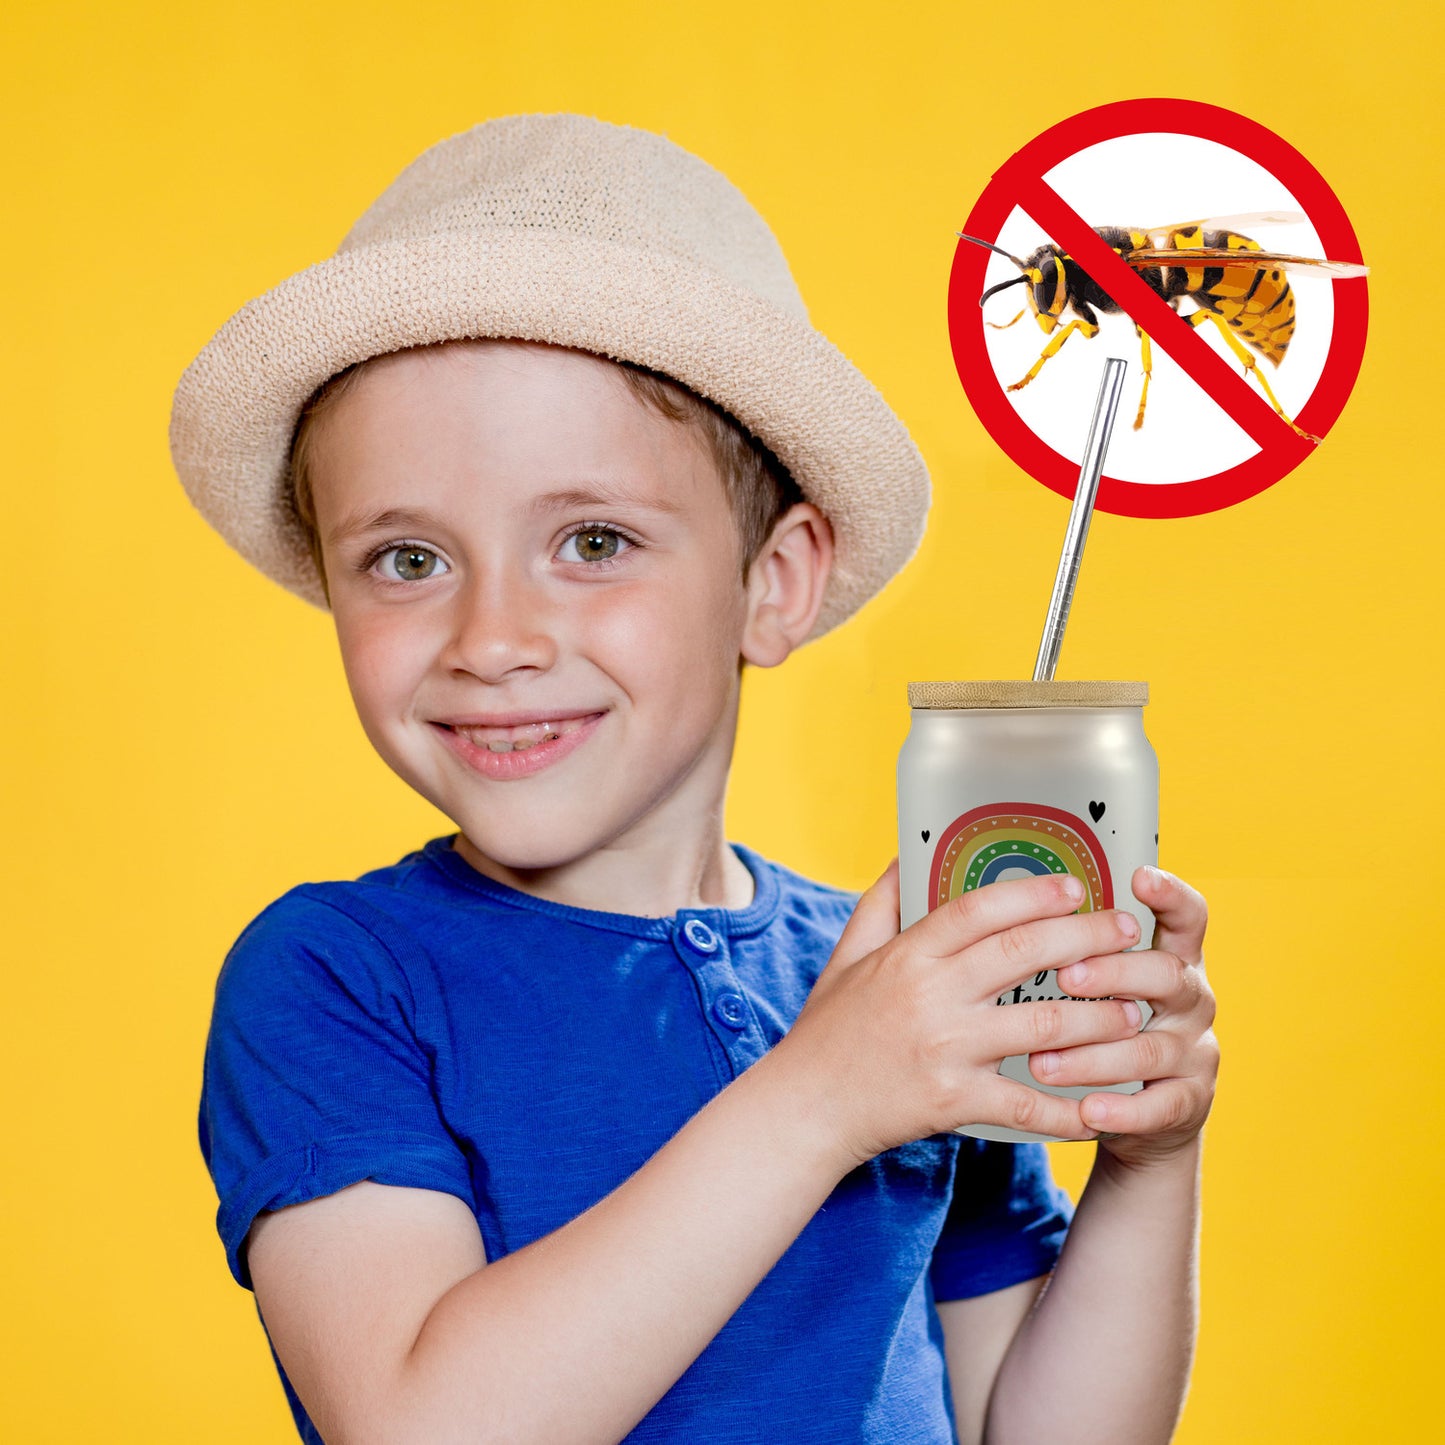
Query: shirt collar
(732,922)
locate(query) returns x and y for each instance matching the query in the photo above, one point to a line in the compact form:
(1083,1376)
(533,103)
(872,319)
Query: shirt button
(699,935)
(730,1009)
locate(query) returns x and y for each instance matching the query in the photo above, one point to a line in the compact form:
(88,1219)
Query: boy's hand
(902,1036)
(1176,1054)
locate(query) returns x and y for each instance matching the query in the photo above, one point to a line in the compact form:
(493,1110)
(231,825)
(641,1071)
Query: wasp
(1232,281)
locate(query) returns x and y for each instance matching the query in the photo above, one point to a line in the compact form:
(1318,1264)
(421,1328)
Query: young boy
(583,1124)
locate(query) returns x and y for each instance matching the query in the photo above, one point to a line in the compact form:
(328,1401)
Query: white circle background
(1147,181)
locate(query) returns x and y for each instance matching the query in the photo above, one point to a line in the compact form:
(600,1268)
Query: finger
(965,920)
(873,923)
(1148,1054)
(1013,1105)
(1049,1025)
(1164,979)
(1028,949)
(1180,912)
(1167,1106)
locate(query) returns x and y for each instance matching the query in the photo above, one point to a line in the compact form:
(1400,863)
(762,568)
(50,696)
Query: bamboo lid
(1019,693)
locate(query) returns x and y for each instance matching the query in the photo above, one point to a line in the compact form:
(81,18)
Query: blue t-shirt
(425,1026)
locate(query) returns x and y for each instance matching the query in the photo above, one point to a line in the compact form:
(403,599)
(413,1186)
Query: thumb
(874,921)
(1180,912)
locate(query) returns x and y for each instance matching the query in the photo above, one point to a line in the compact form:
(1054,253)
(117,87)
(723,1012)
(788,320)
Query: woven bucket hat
(567,230)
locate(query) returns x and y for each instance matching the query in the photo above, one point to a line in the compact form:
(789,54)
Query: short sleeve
(314,1076)
(1006,1221)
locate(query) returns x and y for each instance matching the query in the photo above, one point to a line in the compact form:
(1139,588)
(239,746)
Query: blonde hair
(759,487)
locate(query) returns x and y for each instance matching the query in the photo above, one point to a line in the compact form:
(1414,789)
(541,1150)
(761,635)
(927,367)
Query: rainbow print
(1012,840)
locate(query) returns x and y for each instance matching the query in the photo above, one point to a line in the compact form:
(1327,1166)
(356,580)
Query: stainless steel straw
(1079,514)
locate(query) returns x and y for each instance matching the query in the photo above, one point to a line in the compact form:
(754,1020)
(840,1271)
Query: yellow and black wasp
(1231,279)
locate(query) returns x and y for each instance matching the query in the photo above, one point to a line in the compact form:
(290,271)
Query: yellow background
(180,747)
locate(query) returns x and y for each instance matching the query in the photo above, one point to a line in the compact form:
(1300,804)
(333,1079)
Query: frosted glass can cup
(1000,780)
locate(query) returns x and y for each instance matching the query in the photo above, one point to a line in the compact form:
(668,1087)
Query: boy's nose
(502,624)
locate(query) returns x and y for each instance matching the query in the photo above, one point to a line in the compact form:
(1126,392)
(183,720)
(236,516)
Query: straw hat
(561,229)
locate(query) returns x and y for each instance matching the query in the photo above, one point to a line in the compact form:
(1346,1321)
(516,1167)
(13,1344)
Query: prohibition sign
(1020,182)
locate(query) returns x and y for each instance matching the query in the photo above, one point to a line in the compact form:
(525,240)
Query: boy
(560,1129)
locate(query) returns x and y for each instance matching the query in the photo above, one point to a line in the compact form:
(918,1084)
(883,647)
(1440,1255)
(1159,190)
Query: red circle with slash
(1020,182)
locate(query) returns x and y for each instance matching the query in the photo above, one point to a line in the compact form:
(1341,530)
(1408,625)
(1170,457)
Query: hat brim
(237,405)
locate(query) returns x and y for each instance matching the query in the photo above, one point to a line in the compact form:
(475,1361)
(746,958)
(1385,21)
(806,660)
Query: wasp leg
(1004,325)
(1198,318)
(1090,330)
(1146,360)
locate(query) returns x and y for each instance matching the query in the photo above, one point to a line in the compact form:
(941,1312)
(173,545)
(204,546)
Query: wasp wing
(1255,260)
(1159,235)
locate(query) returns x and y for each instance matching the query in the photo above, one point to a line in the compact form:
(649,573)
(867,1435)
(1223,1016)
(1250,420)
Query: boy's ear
(785,585)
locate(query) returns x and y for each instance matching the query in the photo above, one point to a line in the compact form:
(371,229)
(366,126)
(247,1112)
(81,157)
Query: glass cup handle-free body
(1002,780)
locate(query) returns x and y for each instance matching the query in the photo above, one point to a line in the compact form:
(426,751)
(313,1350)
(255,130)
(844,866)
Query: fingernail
(1096,1114)
(1131,1012)
(1073,889)
(1048,1064)
(1076,975)
(1128,925)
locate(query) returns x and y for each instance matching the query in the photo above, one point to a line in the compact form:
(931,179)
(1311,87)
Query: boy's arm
(1105,1355)
(976,1335)
(390,1333)
(1109,1361)
(393,1328)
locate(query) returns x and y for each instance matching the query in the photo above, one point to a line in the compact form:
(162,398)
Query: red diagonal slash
(1220,381)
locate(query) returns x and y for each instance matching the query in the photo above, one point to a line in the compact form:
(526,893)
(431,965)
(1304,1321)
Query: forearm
(1106,1354)
(579,1334)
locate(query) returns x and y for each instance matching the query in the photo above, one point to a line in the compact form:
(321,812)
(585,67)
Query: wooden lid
(1018,693)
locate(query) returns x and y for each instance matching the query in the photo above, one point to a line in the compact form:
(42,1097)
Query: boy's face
(519,552)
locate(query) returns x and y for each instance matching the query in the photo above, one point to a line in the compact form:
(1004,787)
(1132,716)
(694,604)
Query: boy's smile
(538,592)
(501,749)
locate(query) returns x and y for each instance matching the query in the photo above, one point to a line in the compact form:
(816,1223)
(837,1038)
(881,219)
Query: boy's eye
(410,563)
(595,544)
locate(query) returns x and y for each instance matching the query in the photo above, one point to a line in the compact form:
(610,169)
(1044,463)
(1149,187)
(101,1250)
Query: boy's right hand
(902,1034)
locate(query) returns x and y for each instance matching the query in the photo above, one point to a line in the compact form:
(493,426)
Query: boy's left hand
(1175,1054)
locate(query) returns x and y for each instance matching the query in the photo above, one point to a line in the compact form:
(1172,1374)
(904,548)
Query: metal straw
(1097,445)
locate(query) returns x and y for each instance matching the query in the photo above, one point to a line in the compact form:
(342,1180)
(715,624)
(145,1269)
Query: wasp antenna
(1002,286)
(989,245)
